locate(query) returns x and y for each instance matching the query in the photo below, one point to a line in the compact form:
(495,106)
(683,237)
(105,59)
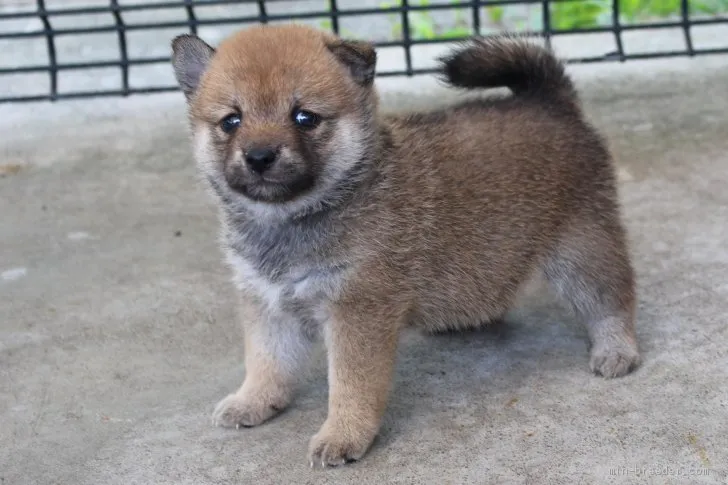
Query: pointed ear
(359,56)
(190,57)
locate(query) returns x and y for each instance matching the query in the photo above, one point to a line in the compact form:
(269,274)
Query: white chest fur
(303,284)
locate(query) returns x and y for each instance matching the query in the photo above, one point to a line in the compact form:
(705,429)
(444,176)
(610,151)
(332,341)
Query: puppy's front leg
(276,348)
(362,342)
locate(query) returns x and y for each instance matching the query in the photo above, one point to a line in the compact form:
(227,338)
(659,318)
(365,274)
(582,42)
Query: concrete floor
(118,332)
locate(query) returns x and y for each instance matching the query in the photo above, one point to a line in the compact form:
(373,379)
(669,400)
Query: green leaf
(455,33)
(663,8)
(712,7)
(575,15)
(703,7)
(425,31)
(496,14)
(631,9)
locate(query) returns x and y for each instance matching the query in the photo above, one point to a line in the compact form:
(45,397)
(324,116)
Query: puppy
(341,223)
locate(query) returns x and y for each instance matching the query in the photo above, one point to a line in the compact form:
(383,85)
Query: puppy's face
(280,115)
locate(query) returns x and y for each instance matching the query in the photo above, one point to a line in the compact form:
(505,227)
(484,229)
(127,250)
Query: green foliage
(423,25)
(632,10)
(577,14)
(711,7)
(496,14)
(565,15)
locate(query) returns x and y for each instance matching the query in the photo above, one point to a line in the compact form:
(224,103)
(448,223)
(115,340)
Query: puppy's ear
(359,56)
(190,57)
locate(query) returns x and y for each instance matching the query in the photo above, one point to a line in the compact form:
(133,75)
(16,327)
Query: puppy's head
(282,116)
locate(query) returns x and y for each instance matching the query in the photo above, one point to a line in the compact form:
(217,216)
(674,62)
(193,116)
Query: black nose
(260,159)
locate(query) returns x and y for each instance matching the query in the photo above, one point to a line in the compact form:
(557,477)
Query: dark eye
(230,123)
(306,119)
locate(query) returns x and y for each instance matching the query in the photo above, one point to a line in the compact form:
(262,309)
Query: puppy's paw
(238,410)
(335,446)
(614,360)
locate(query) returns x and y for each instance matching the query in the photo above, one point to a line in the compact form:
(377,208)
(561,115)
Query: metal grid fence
(63,28)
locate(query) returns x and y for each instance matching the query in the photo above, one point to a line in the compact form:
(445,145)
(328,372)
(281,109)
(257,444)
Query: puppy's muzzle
(235,176)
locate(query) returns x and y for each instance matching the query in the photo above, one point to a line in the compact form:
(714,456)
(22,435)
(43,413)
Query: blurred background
(118,322)
(65,48)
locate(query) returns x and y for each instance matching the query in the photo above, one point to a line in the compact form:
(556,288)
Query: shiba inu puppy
(343,224)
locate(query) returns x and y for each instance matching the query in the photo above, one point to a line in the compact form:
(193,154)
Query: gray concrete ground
(118,333)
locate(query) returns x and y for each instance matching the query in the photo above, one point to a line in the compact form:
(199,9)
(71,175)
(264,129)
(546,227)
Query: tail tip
(508,60)
(457,65)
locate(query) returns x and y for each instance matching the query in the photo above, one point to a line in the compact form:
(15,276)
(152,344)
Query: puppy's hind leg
(591,270)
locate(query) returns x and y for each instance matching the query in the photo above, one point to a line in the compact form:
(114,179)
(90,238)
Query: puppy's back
(534,145)
(492,183)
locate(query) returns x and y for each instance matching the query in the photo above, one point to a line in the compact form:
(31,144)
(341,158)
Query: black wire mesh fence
(59,49)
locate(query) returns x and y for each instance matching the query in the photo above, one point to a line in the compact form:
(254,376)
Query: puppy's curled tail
(506,60)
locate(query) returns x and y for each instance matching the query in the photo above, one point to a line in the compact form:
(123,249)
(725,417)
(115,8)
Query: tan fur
(432,219)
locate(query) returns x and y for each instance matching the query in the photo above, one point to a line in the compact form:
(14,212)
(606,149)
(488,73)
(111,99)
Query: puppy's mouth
(269,188)
(268,179)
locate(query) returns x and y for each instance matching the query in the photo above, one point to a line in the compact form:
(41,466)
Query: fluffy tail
(510,61)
